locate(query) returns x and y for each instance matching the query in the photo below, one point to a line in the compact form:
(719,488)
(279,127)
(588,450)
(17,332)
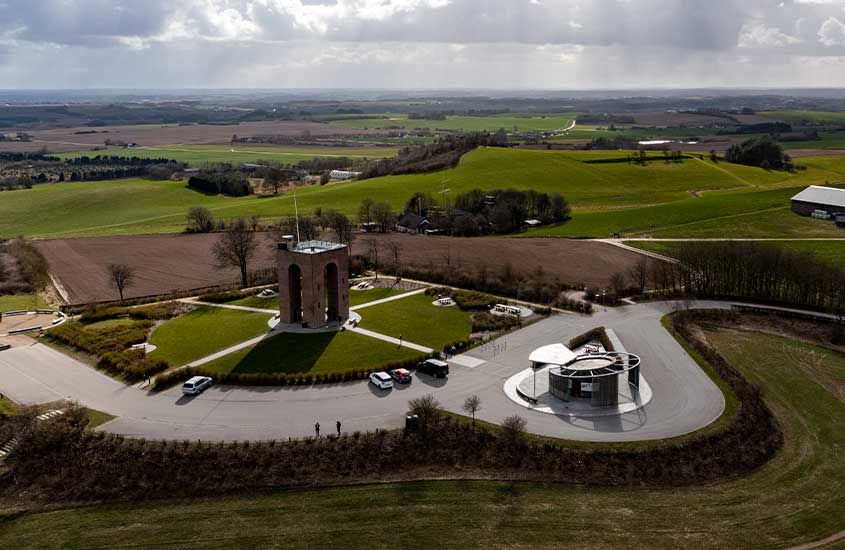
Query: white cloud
(832,32)
(758,35)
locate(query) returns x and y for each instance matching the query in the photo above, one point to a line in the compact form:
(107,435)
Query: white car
(196,385)
(381,380)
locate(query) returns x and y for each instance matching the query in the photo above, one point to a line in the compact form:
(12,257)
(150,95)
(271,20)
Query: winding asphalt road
(685,399)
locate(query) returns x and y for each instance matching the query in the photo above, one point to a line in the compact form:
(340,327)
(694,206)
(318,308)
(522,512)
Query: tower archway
(332,286)
(295,293)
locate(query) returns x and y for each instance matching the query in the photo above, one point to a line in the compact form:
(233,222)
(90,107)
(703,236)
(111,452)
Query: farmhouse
(817,197)
(412,223)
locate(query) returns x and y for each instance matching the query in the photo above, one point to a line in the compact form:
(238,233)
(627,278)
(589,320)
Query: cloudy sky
(510,44)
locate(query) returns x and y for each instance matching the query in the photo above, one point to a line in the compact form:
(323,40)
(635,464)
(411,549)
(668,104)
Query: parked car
(403,376)
(381,380)
(434,367)
(196,385)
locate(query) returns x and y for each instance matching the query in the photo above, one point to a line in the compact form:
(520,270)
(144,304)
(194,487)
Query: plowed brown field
(165,263)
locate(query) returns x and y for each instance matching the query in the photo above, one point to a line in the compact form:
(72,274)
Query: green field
(204,331)
(796,498)
(256,302)
(417,321)
(803,117)
(328,352)
(832,252)
(16,302)
(521,122)
(656,195)
(199,155)
(7,406)
(828,140)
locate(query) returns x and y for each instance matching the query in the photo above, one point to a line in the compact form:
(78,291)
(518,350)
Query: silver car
(196,385)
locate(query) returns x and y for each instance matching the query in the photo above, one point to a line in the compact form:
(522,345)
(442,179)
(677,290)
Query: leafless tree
(365,213)
(308,229)
(618,283)
(472,405)
(121,276)
(383,216)
(235,248)
(372,250)
(639,273)
(273,178)
(340,224)
(395,250)
(200,220)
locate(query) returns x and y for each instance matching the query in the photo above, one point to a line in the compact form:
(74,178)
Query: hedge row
(159,311)
(112,346)
(598,333)
(225,296)
(169,379)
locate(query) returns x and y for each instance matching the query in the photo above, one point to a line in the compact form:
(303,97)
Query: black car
(434,367)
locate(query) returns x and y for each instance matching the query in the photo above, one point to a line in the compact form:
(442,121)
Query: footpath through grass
(329,352)
(204,331)
(796,498)
(417,321)
(358,297)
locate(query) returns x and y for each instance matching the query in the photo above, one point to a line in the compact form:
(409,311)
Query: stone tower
(313,283)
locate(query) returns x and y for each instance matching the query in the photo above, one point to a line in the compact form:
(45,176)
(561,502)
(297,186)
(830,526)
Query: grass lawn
(97,418)
(256,302)
(832,252)
(7,406)
(797,498)
(655,195)
(358,297)
(110,323)
(417,321)
(210,154)
(312,353)
(203,332)
(17,302)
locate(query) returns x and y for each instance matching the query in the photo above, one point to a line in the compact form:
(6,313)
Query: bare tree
(340,224)
(639,273)
(365,213)
(472,405)
(513,429)
(395,250)
(308,229)
(618,283)
(425,407)
(235,248)
(383,216)
(273,178)
(372,250)
(200,220)
(121,277)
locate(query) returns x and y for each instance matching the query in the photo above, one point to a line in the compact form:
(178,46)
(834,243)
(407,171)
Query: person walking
(400,340)
(338,428)
(317,429)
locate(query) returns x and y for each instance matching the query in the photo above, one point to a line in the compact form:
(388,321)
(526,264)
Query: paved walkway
(385,300)
(230,306)
(391,340)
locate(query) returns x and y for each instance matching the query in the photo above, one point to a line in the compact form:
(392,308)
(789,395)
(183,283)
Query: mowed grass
(521,122)
(16,302)
(330,352)
(199,155)
(358,297)
(797,498)
(204,331)
(594,190)
(256,302)
(417,321)
(832,252)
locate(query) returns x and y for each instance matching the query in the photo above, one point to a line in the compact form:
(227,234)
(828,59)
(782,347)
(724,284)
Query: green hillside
(657,195)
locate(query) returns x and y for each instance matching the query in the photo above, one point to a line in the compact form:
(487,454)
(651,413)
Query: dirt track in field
(60,140)
(165,263)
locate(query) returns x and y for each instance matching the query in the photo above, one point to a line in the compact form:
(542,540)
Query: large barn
(817,197)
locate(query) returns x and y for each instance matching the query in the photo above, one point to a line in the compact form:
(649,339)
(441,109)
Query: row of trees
(226,182)
(443,153)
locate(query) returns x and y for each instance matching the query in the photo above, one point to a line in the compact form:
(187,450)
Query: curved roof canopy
(553,354)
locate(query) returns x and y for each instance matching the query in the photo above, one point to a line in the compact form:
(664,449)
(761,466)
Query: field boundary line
(388,299)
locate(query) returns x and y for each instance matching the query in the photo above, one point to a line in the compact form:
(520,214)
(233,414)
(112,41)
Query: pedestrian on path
(338,428)
(400,340)
(317,428)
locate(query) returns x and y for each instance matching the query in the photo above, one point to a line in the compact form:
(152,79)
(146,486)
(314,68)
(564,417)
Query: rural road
(685,399)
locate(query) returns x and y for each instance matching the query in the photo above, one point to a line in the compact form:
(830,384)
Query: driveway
(684,397)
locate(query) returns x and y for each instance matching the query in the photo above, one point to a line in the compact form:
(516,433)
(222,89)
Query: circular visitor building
(593,376)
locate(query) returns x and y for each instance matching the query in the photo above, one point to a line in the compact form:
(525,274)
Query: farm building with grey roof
(817,197)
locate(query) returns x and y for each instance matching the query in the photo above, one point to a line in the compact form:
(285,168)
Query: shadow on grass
(286,353)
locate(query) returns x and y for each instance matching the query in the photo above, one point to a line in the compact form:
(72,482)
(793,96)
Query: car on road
(434,367)
(196,385)
(381,380)
(403,376)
